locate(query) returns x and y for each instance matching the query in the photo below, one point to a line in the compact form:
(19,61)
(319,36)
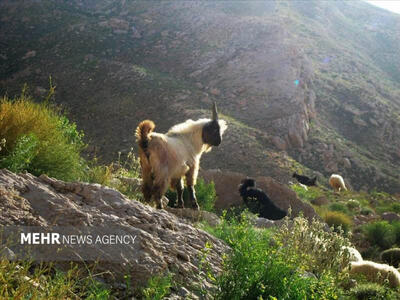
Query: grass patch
(23,280)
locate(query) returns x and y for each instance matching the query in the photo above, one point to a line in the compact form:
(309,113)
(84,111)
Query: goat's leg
(177,185)
(193,199)
(147,179)
(159,188)
(191,177)
(147,186)
(179,192)
(146,190)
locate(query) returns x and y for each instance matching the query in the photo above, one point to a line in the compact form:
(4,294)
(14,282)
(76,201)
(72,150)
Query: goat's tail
(142,134)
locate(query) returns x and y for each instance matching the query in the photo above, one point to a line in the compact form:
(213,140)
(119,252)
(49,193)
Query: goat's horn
(215,112)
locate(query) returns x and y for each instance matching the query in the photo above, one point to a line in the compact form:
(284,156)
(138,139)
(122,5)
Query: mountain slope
(303,85)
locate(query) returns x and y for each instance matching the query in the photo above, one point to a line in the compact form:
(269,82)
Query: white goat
(166,158)
(337,183)
(376,272)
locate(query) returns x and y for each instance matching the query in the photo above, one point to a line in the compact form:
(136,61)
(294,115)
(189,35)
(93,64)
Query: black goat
(305,180)
(258,202)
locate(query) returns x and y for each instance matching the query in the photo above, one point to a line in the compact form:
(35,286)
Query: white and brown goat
(167,158)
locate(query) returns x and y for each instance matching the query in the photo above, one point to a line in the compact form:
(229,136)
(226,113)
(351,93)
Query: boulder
(390,216)
(163,242)
(226,186)
(265,223)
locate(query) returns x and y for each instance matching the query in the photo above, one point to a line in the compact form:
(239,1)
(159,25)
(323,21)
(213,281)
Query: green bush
(22,155)
(312,248)
(396,229)
(39,139)
(391,256)
(395,207)
(340,207)
(268,265)
(157,287)
(336,218)
(366,211)
(370,291)
(380,233)
(353,204)
(206,195)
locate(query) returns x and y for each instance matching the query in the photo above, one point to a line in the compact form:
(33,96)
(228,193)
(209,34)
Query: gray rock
(163,243)
(390,216)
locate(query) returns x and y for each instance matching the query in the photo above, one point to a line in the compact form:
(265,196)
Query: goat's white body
(355,255)
(184,152)
(376,272)
(184,146)
(337,183)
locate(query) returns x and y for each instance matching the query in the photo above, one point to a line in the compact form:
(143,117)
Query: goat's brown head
(212,132)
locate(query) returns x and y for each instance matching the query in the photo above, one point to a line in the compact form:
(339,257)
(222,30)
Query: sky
(392,5)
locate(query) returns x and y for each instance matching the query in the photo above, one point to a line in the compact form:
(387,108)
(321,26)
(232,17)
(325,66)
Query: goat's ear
(214,112)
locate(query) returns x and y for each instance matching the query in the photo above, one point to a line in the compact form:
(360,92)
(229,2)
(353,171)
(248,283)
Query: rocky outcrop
(226,186)
(163,242)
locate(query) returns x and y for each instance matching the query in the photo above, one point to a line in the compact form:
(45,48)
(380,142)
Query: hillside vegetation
(309,86)
(295,259)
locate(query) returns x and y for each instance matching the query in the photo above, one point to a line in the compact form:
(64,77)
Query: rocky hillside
(303,85)
(162,243)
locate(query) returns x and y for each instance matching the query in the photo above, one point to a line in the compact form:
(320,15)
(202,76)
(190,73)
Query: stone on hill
(164,243)
(390,216)
(227,185)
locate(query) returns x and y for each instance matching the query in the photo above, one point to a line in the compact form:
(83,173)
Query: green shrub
(391,256)
(267,265)
(380,233)
(157,287)
(396,229)
(353,204)
(366,211)
(312,248)
(206,195)
(370,291)
(395,207)
(22,155)
(335,219)
(53,143)
(340,207)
